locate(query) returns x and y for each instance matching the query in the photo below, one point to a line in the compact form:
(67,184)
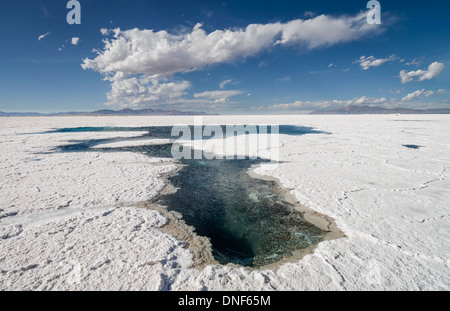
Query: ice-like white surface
(34,178)
(133,143)
(66,221)
(114,249)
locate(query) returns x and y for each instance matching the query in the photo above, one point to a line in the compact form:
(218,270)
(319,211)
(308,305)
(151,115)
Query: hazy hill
(106,112)
(378,110)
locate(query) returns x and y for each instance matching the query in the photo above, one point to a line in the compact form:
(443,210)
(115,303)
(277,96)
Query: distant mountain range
(378,110)
(106,112)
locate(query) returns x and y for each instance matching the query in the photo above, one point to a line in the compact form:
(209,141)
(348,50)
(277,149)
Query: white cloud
(142,92)
(424,93)
(224,83)
(433,71)
(325,30)
(429,93)
(368,62)
(303,106)
(162,54)
(43,36)
(218,97)
(75,40)
(414,62)
(131,57)
(413,95)
(299,106)
(326,104)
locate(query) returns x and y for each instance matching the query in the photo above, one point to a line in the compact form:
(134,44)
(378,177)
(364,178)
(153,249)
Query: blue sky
(296,56)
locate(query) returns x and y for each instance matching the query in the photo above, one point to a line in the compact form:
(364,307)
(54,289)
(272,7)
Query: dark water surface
(412,146)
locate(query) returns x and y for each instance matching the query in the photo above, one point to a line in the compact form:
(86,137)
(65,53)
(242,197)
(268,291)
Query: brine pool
(248,220)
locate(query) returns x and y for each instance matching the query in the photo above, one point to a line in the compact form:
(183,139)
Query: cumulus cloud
(43,36)
(218,97)
(433,71)
(145,91)
(162,54)
(325,30)
(299,106)
(413,95)
(75,40)
(130,55)
(368,62)
(423,93)
(327,104)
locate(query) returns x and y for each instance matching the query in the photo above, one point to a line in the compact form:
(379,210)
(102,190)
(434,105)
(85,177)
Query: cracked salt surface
(395,240)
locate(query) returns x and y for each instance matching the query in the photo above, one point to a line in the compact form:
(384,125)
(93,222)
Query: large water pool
(247,220)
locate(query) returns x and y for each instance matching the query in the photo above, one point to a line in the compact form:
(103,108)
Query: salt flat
(69,221)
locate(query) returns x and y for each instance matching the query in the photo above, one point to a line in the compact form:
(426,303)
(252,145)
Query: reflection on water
(247,220)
